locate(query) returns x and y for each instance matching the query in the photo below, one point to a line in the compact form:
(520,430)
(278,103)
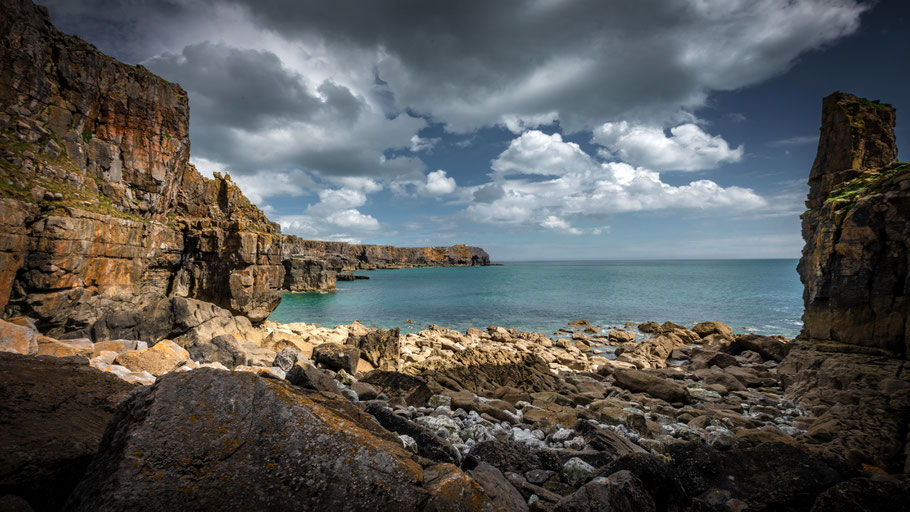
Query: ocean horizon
(763,296)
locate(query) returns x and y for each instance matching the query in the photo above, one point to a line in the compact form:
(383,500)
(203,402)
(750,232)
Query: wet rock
(54,413)
(337,357)
(621,492)
(281,447)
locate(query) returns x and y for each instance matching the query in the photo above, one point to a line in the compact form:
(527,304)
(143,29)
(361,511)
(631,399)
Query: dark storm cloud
(251,112)
(467,63)
(245,88)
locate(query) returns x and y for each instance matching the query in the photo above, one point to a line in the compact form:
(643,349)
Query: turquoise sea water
(762,296)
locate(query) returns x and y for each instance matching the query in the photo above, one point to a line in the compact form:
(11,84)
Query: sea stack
(854,265)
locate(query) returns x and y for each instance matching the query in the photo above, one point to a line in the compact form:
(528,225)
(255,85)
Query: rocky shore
(139,370)
(695,418)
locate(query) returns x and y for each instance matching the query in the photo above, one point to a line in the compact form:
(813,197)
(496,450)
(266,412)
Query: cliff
(100,211)
(344,256)
(854,265)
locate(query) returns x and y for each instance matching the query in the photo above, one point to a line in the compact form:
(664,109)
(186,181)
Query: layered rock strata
(854,265)
(101,211)
(345,256)
(850,365)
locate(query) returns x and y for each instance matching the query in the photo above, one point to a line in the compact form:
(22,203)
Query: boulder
(508,456)
(307,376)
(256,355)
(772,476)
(226,349)
(656,475)
(620,492)
(64,348)
(640,381)
(287,358)
(606,440)
(498,488)
(380,348)
(165,356)
(705,329)
(17,339)
(337,357)
(406,389)
(767,346)
(173,446)
(54,412)
(622,336)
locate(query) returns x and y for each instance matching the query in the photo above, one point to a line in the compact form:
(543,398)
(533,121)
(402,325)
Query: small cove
(761,296)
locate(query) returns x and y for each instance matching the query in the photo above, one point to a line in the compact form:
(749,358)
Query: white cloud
(439,184)
(688,148)
(556,224)
(352,218)
(579,188)
(538,153)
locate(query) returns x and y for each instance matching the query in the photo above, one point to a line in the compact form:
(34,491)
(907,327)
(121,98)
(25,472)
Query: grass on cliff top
(868,183)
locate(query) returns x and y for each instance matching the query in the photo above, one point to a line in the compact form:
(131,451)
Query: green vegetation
(873,103)
(87,136)
(11,177)
(868,183)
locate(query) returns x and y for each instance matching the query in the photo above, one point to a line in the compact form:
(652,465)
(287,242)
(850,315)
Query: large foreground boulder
(53,412)
(214,440)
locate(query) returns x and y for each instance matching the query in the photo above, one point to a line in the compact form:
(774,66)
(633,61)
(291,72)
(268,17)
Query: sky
(538,130)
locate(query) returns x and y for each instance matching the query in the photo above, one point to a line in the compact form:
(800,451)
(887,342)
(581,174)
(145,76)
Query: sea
(760,296)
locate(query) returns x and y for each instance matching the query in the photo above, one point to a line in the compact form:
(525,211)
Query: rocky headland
(138,369)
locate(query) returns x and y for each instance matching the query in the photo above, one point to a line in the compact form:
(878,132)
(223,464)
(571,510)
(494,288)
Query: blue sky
(546,129)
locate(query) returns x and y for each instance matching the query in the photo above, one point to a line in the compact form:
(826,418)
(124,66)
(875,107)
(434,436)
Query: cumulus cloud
(439,184)
(556,224)
(688,148)
(565,183)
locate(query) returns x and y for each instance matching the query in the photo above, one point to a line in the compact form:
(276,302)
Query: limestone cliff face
(857,230)
(344,256)
(100,211)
